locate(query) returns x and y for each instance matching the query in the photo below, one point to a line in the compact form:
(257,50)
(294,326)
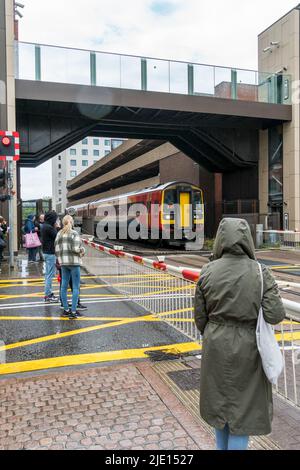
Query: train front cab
(182,212)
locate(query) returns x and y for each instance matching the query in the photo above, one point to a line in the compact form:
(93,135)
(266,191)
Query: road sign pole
(10,153)
(11,213)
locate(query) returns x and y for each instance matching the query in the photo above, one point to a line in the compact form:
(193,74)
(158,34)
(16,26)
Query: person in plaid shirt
(69,252)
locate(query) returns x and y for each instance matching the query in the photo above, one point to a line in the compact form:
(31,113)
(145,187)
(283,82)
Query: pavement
(106,381)
(121,407)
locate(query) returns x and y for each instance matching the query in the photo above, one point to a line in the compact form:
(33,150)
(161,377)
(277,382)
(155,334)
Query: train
(170,213)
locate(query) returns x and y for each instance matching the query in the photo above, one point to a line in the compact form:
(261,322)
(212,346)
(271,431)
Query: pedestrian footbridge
(211,113)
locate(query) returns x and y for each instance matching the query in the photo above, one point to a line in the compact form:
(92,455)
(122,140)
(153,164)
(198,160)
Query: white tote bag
(271,357)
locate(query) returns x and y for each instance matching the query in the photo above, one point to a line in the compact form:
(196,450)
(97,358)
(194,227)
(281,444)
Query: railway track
(143,249)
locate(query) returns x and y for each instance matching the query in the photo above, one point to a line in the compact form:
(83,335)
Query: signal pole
(10,186)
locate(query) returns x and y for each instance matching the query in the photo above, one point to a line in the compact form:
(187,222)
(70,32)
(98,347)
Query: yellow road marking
(165,290)
(173,312)
(104,276)
(90,286)
(16,318)
(93,358)
(296,267)
(77,332)
(40,295)
(287,336)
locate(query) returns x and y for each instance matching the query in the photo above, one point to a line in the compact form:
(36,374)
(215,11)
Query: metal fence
(168,292)
(278,239)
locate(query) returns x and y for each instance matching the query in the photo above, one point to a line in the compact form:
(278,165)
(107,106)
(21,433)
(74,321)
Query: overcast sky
(215,32)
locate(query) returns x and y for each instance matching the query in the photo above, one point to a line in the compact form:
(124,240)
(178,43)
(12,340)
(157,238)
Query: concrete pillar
(263,172)
(7,82)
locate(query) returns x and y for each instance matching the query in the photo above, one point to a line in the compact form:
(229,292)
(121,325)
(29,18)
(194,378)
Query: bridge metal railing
(168,292)
(84,67)
(284,239)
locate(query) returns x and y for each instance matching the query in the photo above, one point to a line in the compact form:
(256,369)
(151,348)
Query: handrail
(149,57)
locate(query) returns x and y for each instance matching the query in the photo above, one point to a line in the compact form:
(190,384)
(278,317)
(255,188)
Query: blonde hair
(68,223)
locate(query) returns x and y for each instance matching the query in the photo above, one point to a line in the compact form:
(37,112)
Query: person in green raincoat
(235,394)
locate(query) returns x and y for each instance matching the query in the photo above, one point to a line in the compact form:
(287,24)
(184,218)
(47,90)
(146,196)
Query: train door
(185,201)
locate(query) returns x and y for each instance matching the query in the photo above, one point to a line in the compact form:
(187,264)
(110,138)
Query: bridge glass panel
(203,80)
(108,70)
(158,75)
(222,82)
(26,61)
(178,78)
(247,81)
(65,65)
(131,73)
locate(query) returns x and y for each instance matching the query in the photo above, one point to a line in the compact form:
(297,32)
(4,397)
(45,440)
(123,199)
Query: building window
(73,174)
(107,152)
(60,192)
(85,152)
(73,152)
(59,158)
(59,183)
(85,163)
(73,162)
(107,143)
(96,153)
(59,167)
(85,142)
(115,143)
(59,175)
(96,141)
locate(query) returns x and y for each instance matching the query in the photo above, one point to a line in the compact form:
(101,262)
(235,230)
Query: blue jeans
(67,273)
(227,441)
(50,261)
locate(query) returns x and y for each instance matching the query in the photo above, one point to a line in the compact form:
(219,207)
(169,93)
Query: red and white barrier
(184,273)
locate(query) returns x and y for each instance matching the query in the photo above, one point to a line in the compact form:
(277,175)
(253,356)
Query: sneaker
(66,313)
(73,315)
(81,307)
(51,299)
(78,314)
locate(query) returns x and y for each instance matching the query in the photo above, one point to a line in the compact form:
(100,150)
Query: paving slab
(125,407)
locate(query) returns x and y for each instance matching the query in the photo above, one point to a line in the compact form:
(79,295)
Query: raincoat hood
(51,218)
(31,217)
(234,237)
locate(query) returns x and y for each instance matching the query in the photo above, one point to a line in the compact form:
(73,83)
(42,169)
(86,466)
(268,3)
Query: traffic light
(2,178)
(9,146)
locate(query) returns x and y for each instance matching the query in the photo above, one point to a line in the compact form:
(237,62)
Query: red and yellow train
(167,210)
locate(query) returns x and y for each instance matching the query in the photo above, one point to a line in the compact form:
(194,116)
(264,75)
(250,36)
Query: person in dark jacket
(39,222)
(3,234)
(30,227)
(235,394)
(49,233)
